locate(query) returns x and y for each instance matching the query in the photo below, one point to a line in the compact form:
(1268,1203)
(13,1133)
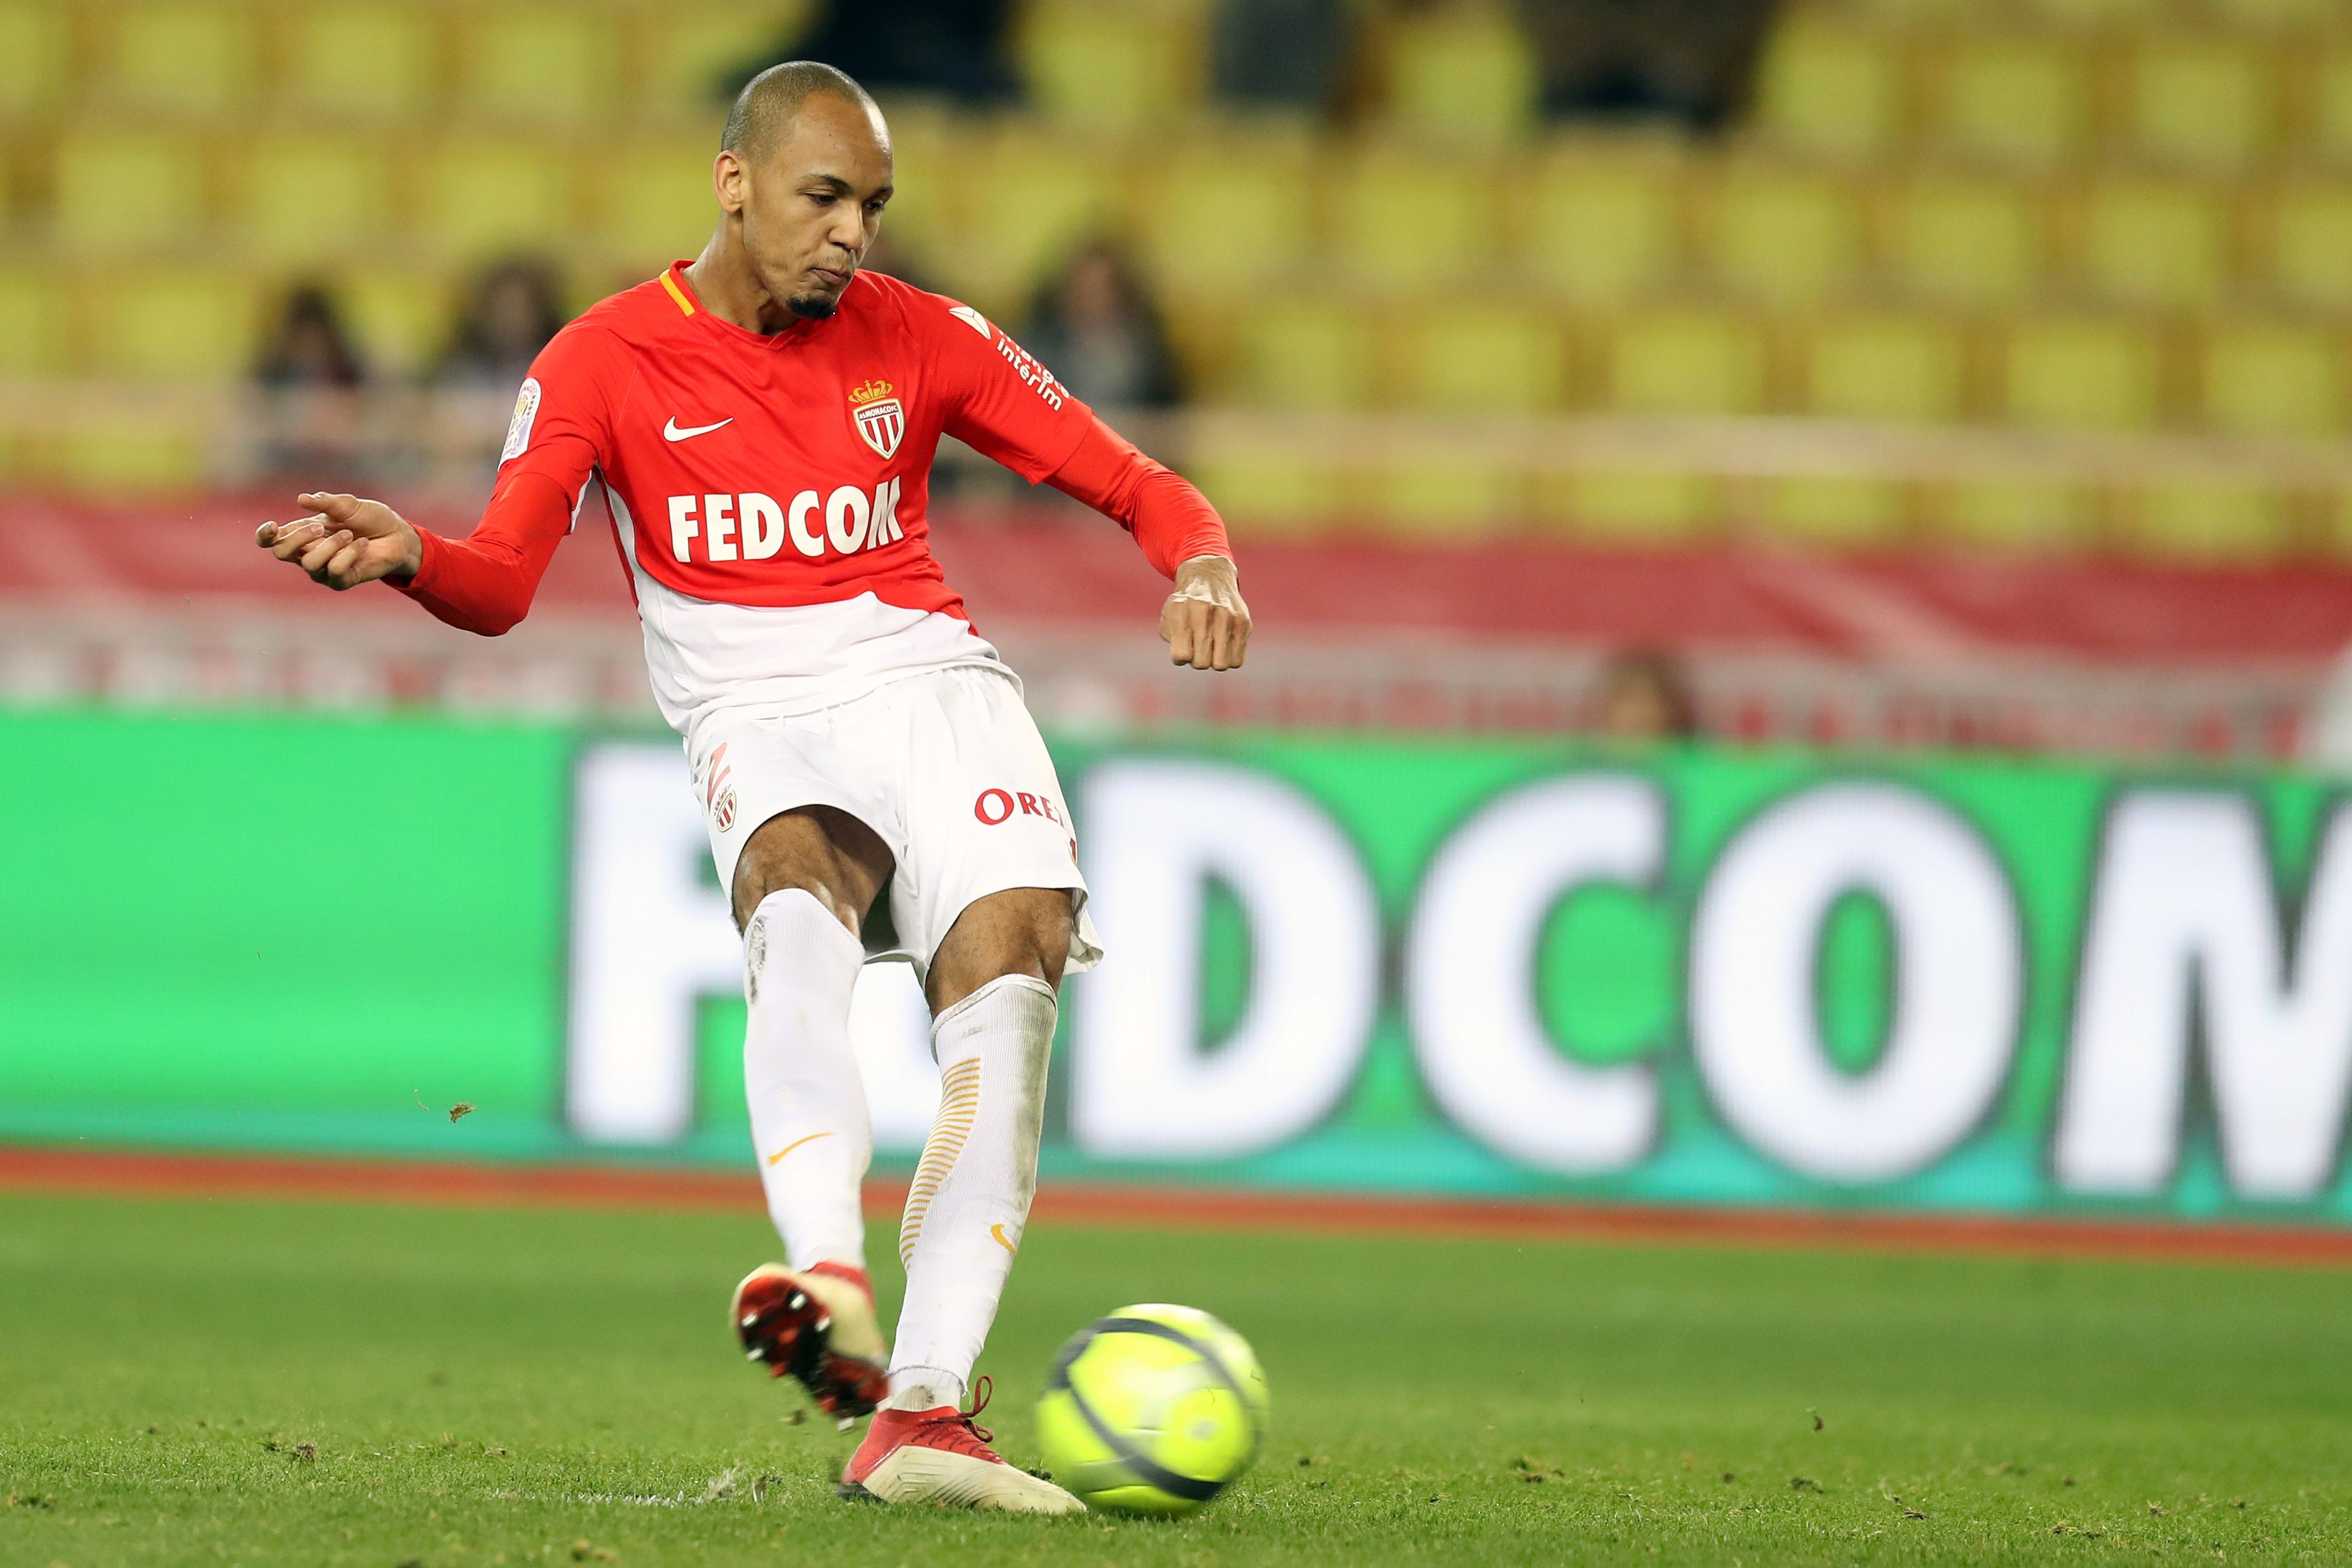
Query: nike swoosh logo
(670,432)
(794,1144)
(998,1232)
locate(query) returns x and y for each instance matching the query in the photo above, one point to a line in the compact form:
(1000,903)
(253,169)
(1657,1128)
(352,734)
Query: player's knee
(1025,931)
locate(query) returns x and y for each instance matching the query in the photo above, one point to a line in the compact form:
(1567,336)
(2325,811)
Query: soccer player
(761,422)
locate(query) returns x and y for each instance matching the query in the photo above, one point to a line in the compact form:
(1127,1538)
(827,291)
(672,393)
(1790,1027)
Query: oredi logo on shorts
(717,529)
(997,805)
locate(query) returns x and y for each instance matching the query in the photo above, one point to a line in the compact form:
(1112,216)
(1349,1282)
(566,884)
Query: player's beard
(812,307)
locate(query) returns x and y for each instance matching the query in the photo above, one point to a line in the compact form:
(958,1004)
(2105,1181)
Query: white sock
(972,1191)
(809,1125)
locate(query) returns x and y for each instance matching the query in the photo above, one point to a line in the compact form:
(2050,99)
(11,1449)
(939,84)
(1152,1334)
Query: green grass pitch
(186,1382)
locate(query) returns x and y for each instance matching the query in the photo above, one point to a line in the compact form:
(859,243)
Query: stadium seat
(1602,231)
(1226,219)
(1313,354)
(1104,68)
(479,195)
(681,54)
(1482,359)
(1828,89)
(1966,241)
(1267,497)
(118,457)
(2013,99)
(539,65)
(1832,512)
(35,58)
(170,325)
(2080,374)
(2310,235)
(1463,76)
(1392,214)
(2201,103)
(2218,522)
(2332,106)
(401,320)
(2278,15)
(1441,496)
(654,200)
(1884,367)
(1686,364)
(2028,517)
(367,59)
(309,197)
(35,319)
(178,56)
(1784,238)
(2271,379)
(1029,195)
(2160,244)
(118,189)
(1635,506)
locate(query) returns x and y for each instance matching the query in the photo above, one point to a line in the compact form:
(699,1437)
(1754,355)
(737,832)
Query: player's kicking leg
(993,990)
(802,879)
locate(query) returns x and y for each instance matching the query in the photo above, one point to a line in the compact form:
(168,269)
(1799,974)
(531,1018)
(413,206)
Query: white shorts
(947,768)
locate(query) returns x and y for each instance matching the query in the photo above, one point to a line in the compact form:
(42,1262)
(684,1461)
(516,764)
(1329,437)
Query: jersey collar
(689,305)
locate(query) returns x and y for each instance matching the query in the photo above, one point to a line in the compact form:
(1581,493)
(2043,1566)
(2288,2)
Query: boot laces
(964,1433)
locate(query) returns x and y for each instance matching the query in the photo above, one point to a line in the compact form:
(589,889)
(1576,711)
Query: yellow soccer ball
(1154,1409)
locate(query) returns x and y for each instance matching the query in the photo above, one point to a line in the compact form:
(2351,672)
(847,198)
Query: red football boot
(816,1324)
(939,1456)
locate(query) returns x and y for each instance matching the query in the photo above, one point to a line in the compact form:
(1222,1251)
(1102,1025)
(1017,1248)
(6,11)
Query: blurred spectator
(1644,695)
(1094,325)
(511,311)
(1281,54)
(957,48)
(309,376)
(1690,60)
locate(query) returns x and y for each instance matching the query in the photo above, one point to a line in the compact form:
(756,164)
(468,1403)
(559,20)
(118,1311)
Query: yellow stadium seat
(1601,233)
(36,57)
(681,54)
(2310,237)
(2013,99)
(186,57)
(2201,103)
(539,64)
(1786,237)
(1483,359)
(482,196)
(1029,196)
(1635,506)
(2273,380)
(371,60)
(1821,88)
(2080,374)
(1973,242)
(1884,367)
(1308,354)
(1389,231)
(2155,245)
(401,320)
(1687,363)
(2024,517)
(309,197)
(656,202)
(2279,14)
(113,457)
(2216,522)
(2096,14)
(128,188)
(35,339)
(2332,119)
(174,326)
(1266,496)
(1225,220)
(1461,75)
(1103,68)
(1445,497)
(1834,512)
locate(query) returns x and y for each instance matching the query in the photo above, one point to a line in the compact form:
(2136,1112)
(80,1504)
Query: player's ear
(728,178)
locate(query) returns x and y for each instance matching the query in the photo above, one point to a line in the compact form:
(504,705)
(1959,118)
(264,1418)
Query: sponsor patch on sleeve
(972,319)
(519,429)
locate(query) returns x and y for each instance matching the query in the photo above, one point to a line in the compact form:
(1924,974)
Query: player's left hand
(347,542)
(1204,622)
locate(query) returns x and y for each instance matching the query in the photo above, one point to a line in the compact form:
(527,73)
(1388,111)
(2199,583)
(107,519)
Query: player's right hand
(345,542)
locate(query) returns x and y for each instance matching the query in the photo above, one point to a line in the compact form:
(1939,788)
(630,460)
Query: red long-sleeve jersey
(770,492)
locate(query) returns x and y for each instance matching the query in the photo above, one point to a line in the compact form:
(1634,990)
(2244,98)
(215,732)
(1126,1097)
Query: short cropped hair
(763,111)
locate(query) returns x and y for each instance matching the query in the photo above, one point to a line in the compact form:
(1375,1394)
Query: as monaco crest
(881,420)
